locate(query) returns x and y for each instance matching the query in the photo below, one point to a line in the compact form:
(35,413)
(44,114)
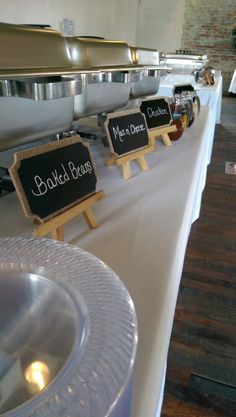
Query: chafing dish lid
(24,47)
(182,54)
(27,51)
(91,52)
(144,56)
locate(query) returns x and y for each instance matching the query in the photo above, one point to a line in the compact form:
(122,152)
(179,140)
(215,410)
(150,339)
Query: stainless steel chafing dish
(149,84)
(48,82)
(36,93)
(110,88)
(184,61)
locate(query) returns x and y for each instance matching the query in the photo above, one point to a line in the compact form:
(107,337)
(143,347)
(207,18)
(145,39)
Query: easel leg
(110,160)
(143,163)
(58,233)
(152,139)
(89,217)
(166,139)
(126,170)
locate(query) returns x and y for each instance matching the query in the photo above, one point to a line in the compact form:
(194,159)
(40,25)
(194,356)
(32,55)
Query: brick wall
(207,27)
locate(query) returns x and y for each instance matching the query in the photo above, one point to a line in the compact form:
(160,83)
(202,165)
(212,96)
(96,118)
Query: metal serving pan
(43,88)
(23,120)
(35,108)
(149,84)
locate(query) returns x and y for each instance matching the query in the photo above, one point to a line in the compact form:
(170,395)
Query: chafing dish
(184,61)
(149,84)
(48,82)
(36,92)
(109,88)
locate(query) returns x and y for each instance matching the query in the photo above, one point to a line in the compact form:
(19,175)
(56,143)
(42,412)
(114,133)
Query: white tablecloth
(210,96)
(143,230)
(232,87)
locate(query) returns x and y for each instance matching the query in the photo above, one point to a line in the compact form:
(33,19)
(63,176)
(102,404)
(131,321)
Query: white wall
(124,20)
(159,24)
(90,17)
(148,23)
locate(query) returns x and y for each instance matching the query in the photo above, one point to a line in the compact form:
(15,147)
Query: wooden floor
(201,368)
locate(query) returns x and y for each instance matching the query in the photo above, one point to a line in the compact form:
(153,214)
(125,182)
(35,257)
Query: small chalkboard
(157,112)
(182,88)
(126,131)
(52,177)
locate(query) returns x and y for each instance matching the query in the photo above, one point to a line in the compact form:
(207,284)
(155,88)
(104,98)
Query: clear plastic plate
(66,309)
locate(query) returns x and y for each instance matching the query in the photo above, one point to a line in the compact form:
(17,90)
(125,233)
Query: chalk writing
(129,130)
(57,178)
(52,177)
(157,112)
(126,131)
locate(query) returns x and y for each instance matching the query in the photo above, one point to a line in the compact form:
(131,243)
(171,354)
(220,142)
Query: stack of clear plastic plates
(68,333)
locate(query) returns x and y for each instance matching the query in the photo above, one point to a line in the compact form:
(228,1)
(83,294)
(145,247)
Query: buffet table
(210,96)
(232,87)
(144,224)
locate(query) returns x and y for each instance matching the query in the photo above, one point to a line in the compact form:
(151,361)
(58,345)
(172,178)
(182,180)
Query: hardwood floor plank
(208,305)
(217,273)
(208,333)
(179,408)
(198,359)
(203,339)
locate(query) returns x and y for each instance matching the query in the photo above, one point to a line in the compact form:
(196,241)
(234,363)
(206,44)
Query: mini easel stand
(162,132)
(126,159)
(55,226)
(209,79)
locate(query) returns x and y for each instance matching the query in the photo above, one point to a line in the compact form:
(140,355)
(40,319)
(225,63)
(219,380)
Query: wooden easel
(209,79)
(126,159)
(162,132)
(55,226)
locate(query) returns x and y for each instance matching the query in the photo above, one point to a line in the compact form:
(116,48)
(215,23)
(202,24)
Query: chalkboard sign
(126,131)
(182,88)
(50,178)
(157,112)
